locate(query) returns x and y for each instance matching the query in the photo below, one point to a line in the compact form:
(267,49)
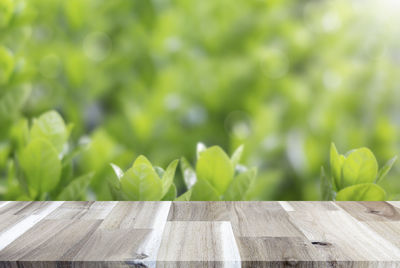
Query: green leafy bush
(143,181)
(355,176)
(40,166)
(217,176)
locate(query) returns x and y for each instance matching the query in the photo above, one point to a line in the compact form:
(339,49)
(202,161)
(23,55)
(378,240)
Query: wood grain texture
(371,211)
(199,234)
(199,241)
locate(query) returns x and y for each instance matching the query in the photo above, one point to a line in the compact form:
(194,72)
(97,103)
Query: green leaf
(171,194)
(237,155)
(41,166)
(12,101)
(6,12)
(362,192)
(6,61)
(20,133)
(141,182)
(5,150)
(113,175)
(184,197)
(385,169)
(117,170)
(76,189)
(51,126)
(160,171)
(359,167)
(215,167)
(336,166)
(203,191)
(188,173)
(168,177)
(326,186)
(240,185)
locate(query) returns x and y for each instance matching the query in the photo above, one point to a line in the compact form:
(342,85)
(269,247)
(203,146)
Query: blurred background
(154,77)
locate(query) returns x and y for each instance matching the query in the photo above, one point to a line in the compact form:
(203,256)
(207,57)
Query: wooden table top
(170,234)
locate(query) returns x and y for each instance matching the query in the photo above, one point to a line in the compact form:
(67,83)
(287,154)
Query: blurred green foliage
(154,77)
(355,176)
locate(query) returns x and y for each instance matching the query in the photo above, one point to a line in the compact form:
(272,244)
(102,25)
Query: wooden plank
(340,237)
(290,251)
(199,234)
(10,208)
(192,242)
(200,211)
(23,225)
(259,219)
(84,210)
(115,245)
(3,203)
(141,224)
(390,230)
(8,221)
(307,206)
(139,215)
(395,203)
(33,208)
(58,240)
(371,211)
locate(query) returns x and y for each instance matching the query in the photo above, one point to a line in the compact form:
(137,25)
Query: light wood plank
(259,219)
(33,208)
(58,240)
(200,211)
(8,221)
(148,217)
(10,208)
(198,241)
(3,203)
(371,211)
(340,237)
(199,234)
(395,203)
(115,245)
(140,215)
(25,224)
(291,251)
(308,206)
(390,230)
(84,210)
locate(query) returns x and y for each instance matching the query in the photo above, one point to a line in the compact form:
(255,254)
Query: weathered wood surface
(199,234)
